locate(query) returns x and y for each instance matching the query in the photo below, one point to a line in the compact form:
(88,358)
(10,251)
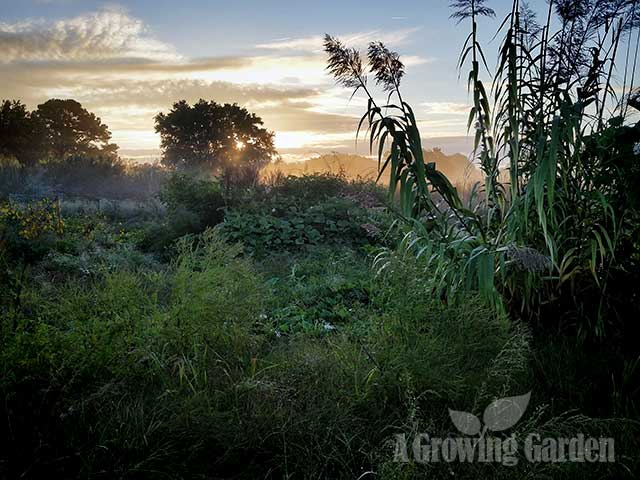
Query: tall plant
(395,123)
(548,121)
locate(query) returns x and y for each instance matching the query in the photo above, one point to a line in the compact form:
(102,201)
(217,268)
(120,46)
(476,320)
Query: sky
(129,60)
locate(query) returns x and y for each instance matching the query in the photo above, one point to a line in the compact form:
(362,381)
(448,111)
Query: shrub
(309,189)
(12,176)
(25,230)
(27,233)
(333,220)
(192,205)
(203,198)
(315,188)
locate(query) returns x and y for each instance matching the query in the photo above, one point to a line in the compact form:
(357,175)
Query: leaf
(505,412)
(466,422)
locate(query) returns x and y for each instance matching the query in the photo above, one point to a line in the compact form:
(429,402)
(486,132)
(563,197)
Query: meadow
(286,332)
(162,322)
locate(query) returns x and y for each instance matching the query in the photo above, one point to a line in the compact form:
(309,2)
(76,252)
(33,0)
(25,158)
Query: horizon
(128,61)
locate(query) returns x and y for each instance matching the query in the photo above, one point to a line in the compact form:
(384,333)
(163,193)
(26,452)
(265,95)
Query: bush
(309,189)
(26,231)
(12,176)
(336,220)
(192,205)
(203,198)
(27,234)
(315,188)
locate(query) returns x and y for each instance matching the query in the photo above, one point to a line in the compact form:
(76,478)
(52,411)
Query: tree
(18,134)
(69,129)
(225,139)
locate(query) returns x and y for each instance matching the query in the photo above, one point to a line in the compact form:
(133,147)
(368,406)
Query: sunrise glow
(127,66)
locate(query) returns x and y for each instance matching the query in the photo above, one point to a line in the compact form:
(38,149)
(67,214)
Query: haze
(127,61)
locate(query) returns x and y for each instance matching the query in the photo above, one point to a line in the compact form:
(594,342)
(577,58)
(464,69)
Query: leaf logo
(500,415)
(466,422)
(505,412)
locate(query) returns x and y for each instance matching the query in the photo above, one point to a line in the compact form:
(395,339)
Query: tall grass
(177,372)
(554,233)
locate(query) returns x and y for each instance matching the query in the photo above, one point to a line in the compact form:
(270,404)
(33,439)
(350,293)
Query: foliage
(335,219)
(214,137)
(200,196)
(287,213)
(55,130)
(18,135)
(116,331)
(564,202)
(115,364)
(122,358)
(26,235)
(317,291)
(109,367)
(23,229)
(405,160)
(69,129)
(12,176)
(192,205)
(313,188)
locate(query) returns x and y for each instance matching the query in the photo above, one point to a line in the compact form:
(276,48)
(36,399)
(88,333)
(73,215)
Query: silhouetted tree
(69,129)
(19,136)
(226,139)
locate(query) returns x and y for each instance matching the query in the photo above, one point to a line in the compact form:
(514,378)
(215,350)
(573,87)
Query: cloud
(134,104)
(265,69)
(107,34)
(129,66)
(357,40)
(163,93)
(113,64)
(447,108)
(130,105)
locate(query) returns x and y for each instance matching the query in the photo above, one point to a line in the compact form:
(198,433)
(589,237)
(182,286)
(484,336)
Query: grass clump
(116,365)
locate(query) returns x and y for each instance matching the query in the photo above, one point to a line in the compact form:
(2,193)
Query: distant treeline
(62,147)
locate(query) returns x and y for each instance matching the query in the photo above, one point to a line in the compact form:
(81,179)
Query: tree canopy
(18,137)
(57,129)
(213,136)
(69,129)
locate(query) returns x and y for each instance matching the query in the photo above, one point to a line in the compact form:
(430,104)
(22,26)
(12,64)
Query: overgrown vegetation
(563,216)
(212,327)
